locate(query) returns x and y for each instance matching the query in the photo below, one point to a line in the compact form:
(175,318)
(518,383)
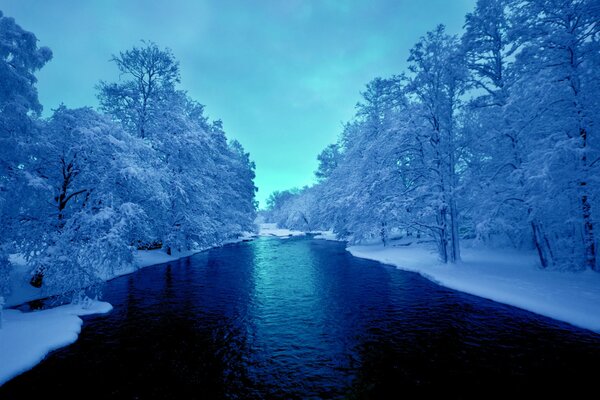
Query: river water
(302,318)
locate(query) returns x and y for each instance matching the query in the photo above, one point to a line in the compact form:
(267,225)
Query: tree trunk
(589,241)
(542,245)
(588,235)
(383,234)
(455,249)
(443,245)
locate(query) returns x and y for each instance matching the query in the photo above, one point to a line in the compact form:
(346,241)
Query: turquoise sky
(282,75)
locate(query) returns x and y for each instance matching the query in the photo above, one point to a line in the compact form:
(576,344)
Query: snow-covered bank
(26,338)
(22,292)
(273,230)
(327,235)
(504,276)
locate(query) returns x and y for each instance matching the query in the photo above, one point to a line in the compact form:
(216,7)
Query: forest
(82,190)
(436,239)
(491,136)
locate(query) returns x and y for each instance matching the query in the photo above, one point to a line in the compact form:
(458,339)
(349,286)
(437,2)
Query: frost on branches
(83,190)
(490,136)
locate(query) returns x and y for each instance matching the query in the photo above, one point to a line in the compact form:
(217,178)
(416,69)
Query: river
(302,318)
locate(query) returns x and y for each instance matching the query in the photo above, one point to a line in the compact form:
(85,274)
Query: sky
(282,75)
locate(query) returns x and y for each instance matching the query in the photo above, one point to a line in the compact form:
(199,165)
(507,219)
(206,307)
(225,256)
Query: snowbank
(327,235)
(26,338)
(22,292)
(504,276)
(273,230)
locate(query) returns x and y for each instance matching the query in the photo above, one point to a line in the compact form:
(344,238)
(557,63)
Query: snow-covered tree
(439,81)
(495,145)
(559,63)
(149,75)
(207,184)
(20,58)
(493,137)
(328,161)
(75,224)
(80,192)
(489,50)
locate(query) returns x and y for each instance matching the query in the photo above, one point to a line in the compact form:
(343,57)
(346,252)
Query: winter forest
(440,241)
(489,136)
(83,190)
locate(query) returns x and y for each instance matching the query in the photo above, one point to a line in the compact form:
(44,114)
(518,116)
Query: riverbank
(22,292)
(268,229)
(26,338)
(508,277)
(504,275)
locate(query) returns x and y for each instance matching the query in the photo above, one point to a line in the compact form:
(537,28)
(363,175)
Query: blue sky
(282,75)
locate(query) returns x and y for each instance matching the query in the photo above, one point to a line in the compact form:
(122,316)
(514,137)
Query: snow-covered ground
(26,338)
(273,230)
(327,235)
(21,291)
(508,277)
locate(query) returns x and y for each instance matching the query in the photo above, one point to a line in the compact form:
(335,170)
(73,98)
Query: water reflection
(301,318)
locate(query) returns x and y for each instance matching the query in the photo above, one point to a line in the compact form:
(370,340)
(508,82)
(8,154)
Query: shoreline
(513,278)
(26,338)
(22,292)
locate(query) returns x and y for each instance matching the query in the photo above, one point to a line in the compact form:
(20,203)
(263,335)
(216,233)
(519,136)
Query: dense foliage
(492,135)
(82,191)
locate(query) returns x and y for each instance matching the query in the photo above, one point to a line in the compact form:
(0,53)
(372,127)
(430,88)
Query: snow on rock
(508,277)
(273,230)
(26,338)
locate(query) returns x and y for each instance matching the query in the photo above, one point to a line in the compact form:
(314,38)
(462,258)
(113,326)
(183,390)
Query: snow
(147,258)
(273,230)
(22,292)
(327,235)
(509,277)
(26,338)
(245,237)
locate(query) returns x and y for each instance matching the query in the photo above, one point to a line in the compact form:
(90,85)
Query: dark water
(301,318)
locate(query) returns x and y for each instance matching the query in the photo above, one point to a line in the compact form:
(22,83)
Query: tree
(328,161)
(439,80)
(151,74)
(495,143)
(488,50)
(77,224)
(207,190)
(560,45)
(20,58)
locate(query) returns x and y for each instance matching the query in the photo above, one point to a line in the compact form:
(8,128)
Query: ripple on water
(300,318)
